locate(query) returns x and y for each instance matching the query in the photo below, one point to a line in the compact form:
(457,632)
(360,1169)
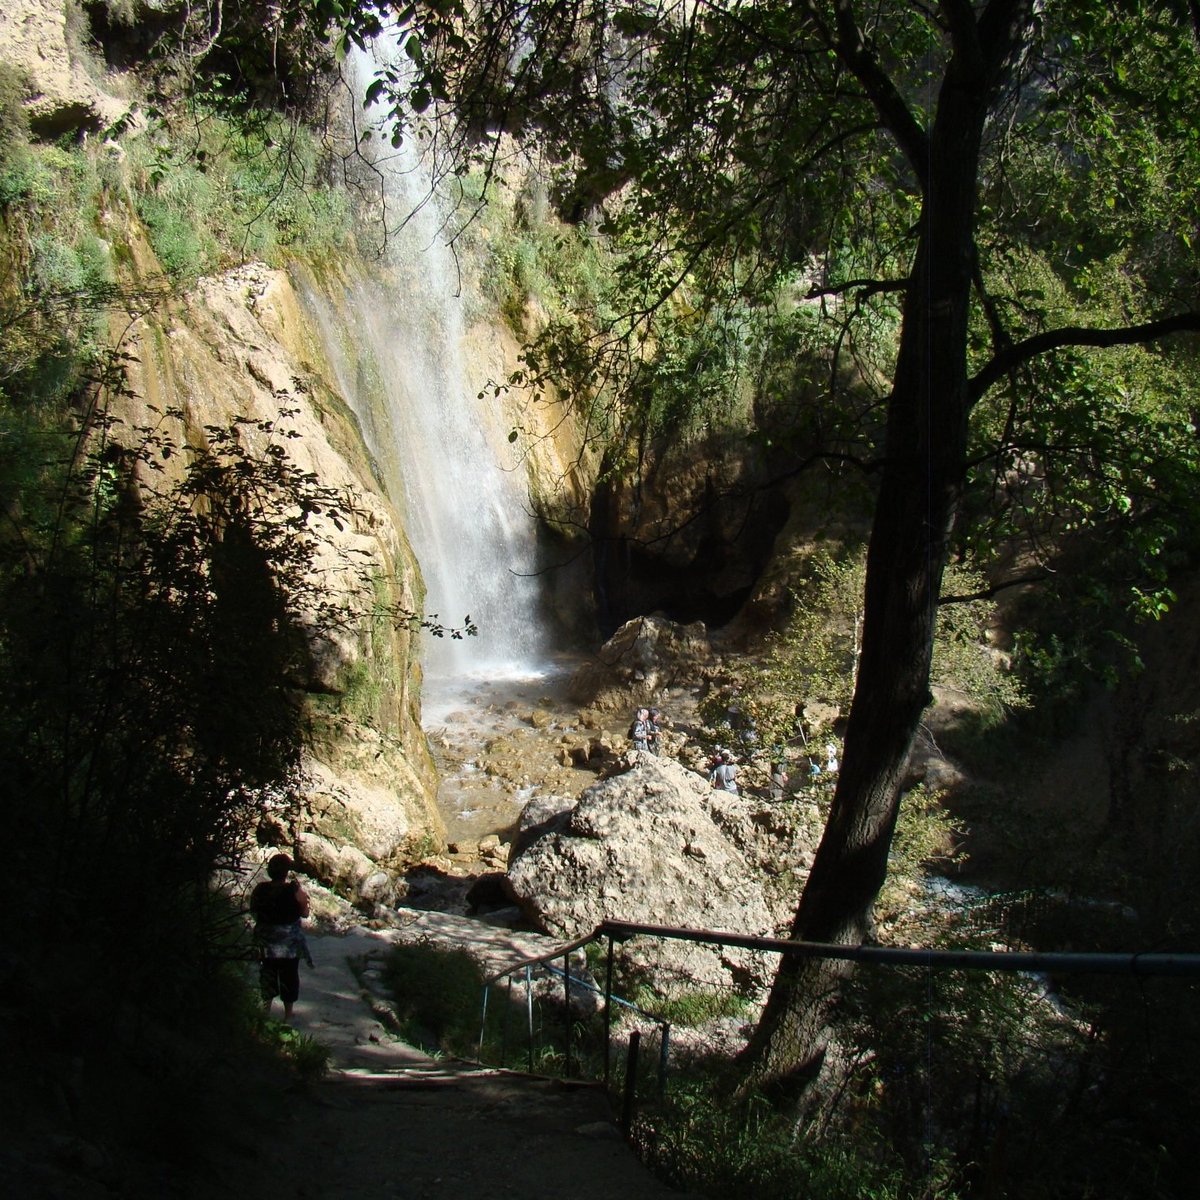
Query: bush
(700,1141)
(215,192)
(437,994)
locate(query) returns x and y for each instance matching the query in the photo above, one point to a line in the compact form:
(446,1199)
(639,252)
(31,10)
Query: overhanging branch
(1077,335)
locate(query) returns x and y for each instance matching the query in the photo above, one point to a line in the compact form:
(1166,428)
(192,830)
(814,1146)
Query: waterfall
(442,451)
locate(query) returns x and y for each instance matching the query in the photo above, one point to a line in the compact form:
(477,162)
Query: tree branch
(990,593)
(865,287)
(1077,335)
(893,111)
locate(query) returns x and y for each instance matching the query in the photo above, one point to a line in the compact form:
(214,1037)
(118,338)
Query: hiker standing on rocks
(724,775)
(779,779)
(641,730)
(831,759)
(279,904)
(652,717)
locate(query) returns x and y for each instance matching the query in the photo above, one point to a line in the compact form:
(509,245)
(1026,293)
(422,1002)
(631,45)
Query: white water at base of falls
(442,450)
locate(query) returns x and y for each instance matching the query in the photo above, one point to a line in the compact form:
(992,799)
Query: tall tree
(1005,187)
(922,162)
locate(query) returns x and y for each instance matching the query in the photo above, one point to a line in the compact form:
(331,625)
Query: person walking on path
(278,905)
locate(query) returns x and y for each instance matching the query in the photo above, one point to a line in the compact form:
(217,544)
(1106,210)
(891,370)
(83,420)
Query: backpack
(275,903)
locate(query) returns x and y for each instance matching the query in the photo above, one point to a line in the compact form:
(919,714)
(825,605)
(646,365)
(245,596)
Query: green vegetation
(694,1006)
(307,1056)
(532,265)
(699,1143)
(156,601)
(437,995)
(816,657)
(212,193)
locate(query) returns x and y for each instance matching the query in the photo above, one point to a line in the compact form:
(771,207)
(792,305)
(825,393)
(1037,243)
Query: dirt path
(390,1121)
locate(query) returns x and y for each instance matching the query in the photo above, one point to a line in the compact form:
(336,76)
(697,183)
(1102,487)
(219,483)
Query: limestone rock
(62,96)
(647,846)
(241,346)
(365,812)
(542,815)
(346,870)
(642,659)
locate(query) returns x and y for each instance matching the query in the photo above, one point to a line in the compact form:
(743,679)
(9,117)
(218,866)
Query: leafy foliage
(815,658)
(212,191)
(436,996)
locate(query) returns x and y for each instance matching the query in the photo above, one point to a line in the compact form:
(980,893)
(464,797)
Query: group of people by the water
(644,735)
(644,730)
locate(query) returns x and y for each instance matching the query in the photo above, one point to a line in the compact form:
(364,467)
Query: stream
(491,757)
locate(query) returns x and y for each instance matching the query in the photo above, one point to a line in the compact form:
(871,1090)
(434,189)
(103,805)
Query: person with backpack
(278,905)
(641,731)
(652,719)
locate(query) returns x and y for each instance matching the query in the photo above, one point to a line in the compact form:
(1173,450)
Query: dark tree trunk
(919,494)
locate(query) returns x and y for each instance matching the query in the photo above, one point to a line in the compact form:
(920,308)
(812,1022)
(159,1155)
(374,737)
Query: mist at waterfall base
(442,451)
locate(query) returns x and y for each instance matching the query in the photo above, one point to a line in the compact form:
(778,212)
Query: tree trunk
(918,497)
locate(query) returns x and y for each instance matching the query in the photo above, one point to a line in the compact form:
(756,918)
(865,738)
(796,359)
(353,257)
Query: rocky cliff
(263,347)
(242,346)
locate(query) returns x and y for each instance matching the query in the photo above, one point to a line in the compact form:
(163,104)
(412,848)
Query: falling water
(441,449)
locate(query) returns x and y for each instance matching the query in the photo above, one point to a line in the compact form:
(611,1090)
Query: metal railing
(1137,965)
(527,966)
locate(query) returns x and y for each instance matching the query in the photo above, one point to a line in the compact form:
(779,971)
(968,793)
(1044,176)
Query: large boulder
(650,846)
(347,871)
(644,658)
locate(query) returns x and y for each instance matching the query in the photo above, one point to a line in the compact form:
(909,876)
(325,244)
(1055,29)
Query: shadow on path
(390,1121)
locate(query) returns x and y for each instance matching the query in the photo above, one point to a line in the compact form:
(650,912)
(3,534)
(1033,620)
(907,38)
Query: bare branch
(991,592)
(893,111)
(864,287)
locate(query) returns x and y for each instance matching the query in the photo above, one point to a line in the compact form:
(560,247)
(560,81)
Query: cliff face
(42,39)
(244,344)
(241,346)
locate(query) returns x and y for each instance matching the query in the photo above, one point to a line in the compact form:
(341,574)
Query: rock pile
(644,658)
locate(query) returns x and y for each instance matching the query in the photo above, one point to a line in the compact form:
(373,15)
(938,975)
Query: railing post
(664,1048)
(567,998)
(483,1023)
(504,1022)
(529,1011)
(608,974)
(631,1067)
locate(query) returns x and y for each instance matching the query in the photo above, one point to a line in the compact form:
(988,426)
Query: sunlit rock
(649,846)
(639,662)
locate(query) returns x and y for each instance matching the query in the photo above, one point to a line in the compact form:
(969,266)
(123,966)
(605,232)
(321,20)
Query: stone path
(392,1122)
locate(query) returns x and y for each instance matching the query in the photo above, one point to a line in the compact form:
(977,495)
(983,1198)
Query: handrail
(1138,964)
(1058,962)
(1134,963)
(557,952)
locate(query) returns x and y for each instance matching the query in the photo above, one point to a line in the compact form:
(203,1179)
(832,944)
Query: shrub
(437,994)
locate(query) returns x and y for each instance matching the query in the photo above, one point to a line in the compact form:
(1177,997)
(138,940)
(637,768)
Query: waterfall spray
(442,450)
